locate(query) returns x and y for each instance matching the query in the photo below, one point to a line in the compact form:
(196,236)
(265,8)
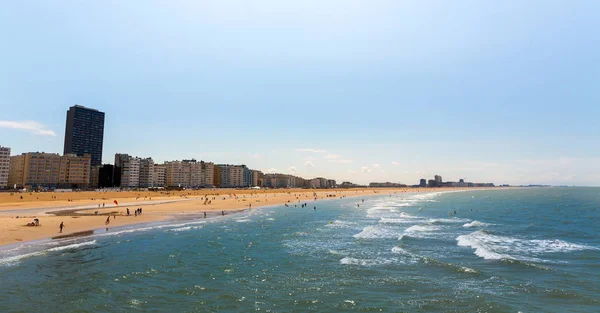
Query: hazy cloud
(293,169)
(256,156)
(271,170)
(31,126)
(332,156)
(395,163)
(341,161)
(311,150)
(365,169)
(309,164)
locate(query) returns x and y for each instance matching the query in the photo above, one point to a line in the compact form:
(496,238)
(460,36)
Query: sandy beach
(86,211)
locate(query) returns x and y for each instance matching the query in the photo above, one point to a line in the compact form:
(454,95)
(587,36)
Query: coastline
(83,217)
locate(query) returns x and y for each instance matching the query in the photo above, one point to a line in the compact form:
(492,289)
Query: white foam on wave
(73,246)
(14,259)
(11,260)
(340,224)
(475,224)
(422,228)
(244,220)
(376,232)
(495,247)
(365,262)
(184,228)
(448,220)
(385,220)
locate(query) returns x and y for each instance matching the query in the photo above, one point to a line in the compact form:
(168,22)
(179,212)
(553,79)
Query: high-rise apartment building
(4,166)
(158,175)
(49,170)
(130,173)
(84,133)
(146,172)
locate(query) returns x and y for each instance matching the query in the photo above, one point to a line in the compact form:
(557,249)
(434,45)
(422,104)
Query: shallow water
(528,250)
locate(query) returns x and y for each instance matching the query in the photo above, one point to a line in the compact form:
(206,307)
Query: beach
(89,210)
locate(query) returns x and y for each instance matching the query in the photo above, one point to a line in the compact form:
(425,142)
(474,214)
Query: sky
(489,91)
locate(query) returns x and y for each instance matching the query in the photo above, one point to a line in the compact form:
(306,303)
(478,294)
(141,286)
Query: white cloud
(271,170)
(31,126)
(376,165)
(332,156)
(365,169)
(309,164)
(352,172)
(293,169)
(395,163)
(311,150)
(342,161)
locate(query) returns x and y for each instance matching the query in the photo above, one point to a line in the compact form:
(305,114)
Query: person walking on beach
(127,211)
(62,225)
(107,220)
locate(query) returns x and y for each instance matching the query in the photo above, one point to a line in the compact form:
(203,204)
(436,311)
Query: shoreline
(80,221)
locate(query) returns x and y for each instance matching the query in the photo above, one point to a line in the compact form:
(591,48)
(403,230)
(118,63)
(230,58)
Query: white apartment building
(4,166)
(130,173)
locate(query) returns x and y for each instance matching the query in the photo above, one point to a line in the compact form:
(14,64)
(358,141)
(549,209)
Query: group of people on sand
(137,212)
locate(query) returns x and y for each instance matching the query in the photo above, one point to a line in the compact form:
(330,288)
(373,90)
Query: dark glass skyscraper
(85,132)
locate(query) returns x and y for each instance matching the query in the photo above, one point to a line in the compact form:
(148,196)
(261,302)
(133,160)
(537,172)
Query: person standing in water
(62,225)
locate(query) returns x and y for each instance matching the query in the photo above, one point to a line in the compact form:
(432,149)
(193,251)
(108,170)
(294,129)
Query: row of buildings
(40,170)
(437,182)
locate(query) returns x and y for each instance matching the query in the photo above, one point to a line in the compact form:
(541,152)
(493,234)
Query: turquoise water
(531,250)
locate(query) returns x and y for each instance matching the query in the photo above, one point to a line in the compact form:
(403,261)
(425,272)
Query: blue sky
(501,91)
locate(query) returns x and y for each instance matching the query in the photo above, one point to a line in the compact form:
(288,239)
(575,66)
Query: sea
(504,250)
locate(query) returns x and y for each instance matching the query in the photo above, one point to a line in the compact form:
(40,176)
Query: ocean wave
(73,246)
(448,220)
(184,228)
(376,232)
(427,260)
(390,220)
(244,220)
(422,228)
(475,224)
(495,247)
(11,260)
(365,262)
(340,224)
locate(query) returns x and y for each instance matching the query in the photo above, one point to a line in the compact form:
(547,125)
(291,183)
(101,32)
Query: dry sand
(78,209)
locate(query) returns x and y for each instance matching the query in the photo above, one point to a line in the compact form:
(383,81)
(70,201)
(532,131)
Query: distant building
(95,176)
(438,180)
(84,133)
(4,166)
(130,173)
(119,159)
(146,172)
(387,185)
(423,182)
(257,177)
(208,173)
(431,183)
(247,177)
(105,176)
(49,170)
(158,175)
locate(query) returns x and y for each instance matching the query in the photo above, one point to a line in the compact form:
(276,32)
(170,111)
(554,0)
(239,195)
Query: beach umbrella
(116,203)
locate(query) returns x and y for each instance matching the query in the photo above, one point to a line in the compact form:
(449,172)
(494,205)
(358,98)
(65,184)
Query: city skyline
(342,90)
